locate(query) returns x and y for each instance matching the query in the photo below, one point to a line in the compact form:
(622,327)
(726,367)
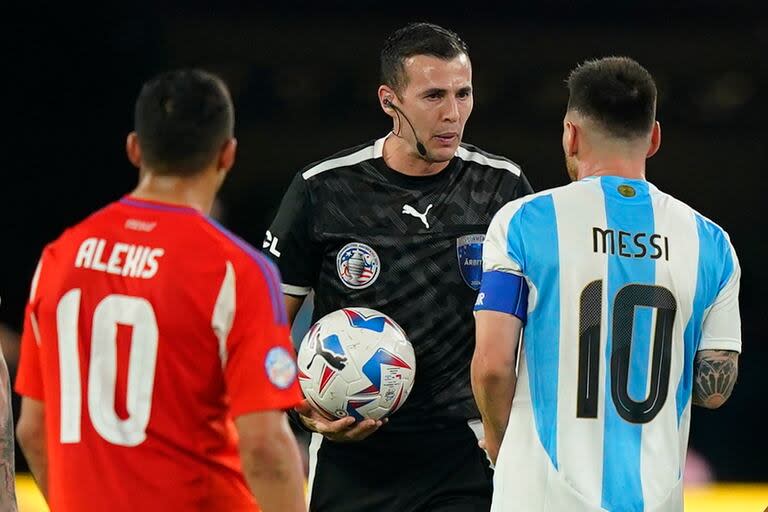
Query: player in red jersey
(156,361)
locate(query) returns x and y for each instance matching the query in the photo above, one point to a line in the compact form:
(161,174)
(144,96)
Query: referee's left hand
(339,430)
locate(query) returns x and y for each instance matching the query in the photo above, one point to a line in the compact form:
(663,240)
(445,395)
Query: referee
(413,206)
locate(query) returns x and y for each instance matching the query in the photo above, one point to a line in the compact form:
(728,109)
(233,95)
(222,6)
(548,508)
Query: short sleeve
(259,361)
(504,288)
(29,378)
(721,329)
(289,240)
(503,248)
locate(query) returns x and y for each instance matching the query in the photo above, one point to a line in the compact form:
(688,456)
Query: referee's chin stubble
(436,156)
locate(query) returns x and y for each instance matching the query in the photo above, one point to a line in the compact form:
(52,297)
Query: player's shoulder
(706,226)
(343,159)
(484,160)
(711,230)
(543,197)
(73,234)
(244,264)
(239,253)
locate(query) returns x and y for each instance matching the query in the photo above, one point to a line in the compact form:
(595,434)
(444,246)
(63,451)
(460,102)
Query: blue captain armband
(503,292)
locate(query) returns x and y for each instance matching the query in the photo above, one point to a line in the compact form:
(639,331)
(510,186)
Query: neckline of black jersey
(409,181)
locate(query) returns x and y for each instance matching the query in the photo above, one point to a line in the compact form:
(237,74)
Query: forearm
(292,305)
(494,391)
(7,473)
(715,373)
(275,476)
(31,435)
(37,459)
(493,373)
(8,488)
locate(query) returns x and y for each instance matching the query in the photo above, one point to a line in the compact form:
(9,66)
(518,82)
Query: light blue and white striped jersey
(626,284)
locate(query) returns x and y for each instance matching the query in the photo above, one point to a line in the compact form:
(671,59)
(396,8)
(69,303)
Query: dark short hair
(416,39)
(182,119)
(617,92)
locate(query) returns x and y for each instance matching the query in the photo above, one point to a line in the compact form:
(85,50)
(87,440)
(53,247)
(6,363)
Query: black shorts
(435,471)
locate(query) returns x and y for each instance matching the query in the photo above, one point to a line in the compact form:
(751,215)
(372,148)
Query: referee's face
(438,101)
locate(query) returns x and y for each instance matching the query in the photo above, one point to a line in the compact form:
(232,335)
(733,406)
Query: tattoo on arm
(715,373)
(7,472)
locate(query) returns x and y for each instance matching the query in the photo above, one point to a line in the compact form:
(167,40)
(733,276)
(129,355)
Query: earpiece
(419,146)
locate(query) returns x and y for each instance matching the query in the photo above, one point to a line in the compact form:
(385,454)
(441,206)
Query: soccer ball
(356,362)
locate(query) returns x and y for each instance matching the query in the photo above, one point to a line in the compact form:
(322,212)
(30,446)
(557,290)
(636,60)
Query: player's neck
(400,155)
(612,167)
(195,192)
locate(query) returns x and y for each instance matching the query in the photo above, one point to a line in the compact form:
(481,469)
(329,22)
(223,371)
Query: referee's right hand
(341,430)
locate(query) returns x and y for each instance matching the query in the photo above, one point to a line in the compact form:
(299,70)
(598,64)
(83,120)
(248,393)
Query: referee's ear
(386,98)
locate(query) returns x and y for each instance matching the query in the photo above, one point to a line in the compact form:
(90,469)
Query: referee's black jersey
(361,234)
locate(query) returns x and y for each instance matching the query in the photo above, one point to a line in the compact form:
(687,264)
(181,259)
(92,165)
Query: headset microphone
(419,146)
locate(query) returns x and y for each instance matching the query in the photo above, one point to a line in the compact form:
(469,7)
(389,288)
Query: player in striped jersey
(632,315)
(155,358)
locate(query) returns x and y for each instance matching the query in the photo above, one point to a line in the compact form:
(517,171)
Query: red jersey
(149,328)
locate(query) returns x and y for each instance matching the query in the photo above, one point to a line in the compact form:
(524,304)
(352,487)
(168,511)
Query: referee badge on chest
(469,249)
(358,265)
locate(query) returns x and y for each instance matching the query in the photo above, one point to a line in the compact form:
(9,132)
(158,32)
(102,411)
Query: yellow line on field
(712,498)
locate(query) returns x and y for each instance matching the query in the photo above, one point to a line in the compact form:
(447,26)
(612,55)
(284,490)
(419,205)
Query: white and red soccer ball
(356,362)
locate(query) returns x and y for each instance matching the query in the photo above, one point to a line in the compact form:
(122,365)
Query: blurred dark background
(304,79)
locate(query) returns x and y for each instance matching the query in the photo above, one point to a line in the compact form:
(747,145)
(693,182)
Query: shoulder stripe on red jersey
(35,280)
(268,270)
(224,311)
